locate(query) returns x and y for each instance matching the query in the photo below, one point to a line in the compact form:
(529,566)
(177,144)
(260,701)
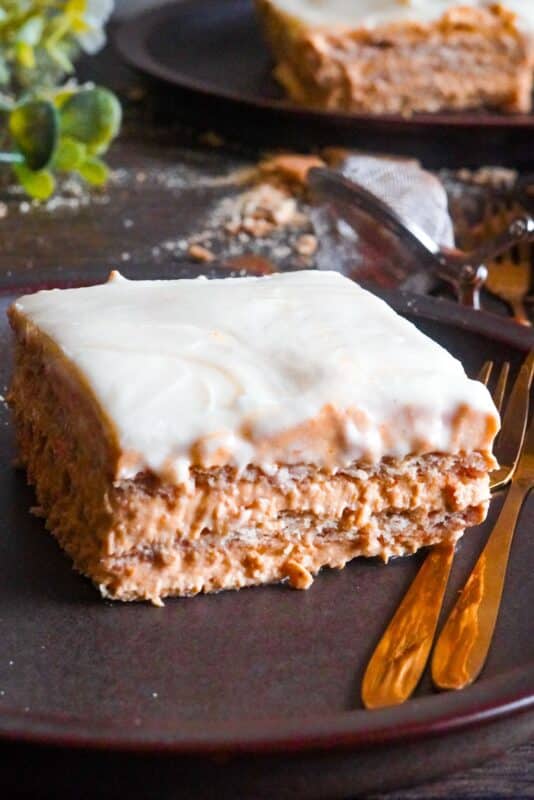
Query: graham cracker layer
(147,539)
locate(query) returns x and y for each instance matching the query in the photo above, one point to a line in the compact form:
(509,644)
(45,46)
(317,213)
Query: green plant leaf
(39,184)
(4,71)
(92,116)
(61,96)
(59,56)
(94,171)
(25,55)
(30,33)
(69,154)
(34,128)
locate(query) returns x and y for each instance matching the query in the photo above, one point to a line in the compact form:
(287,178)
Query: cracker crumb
(262,210)
(306,245)
(200,253)
(290,169)
(212,139)
(299,577)
(136,93)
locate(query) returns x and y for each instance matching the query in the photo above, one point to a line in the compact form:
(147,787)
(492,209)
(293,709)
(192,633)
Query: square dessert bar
(190,435)
(402,56)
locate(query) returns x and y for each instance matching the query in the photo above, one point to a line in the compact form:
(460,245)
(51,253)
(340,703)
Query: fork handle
(466,280)
(400,657)
(520,312)
(464,642)
(466,271)
(520,229)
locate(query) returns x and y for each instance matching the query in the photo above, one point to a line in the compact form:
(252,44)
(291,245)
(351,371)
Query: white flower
(97,13)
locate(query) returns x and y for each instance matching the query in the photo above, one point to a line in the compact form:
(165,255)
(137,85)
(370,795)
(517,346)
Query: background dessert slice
(401,57)
(194,435)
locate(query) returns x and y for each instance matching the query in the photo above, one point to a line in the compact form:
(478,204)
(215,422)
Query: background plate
(214,51)
(244,694)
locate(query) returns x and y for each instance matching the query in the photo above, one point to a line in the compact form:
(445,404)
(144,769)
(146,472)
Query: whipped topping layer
(372,13)
(186,369)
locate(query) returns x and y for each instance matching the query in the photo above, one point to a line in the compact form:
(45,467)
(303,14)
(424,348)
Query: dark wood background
(163,190)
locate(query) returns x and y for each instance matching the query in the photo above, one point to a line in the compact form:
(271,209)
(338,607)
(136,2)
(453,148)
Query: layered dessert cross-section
(403,56)
(189,436)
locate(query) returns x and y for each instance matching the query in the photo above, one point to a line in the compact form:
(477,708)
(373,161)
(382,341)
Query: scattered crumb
(24,207)
(3,210)
(211,139)
(155,694)
(306,245)
(281,251)
(128,223)
(488,176)
(335,156)
(261,210)
(299,577)
(200,253)
(136,93)
(289,170)
(125,256)
(251,264)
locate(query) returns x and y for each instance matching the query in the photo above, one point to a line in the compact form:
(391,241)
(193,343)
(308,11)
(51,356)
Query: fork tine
(500,389)
(508,274)
(498,217)
(399,658)
(514,423)
(525,251)
(485,372)
(465,639)
(488,221)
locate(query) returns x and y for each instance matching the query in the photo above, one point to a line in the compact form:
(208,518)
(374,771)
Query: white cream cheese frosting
(237,361)
(372,13)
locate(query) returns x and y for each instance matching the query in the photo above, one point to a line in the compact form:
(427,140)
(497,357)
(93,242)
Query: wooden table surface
(165,187)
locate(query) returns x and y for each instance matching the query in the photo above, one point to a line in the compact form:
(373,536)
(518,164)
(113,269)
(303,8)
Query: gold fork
(464,642)
(400,657)
(509,275)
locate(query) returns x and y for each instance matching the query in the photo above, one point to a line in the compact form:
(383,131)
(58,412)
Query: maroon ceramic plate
(243,694)
(214,51)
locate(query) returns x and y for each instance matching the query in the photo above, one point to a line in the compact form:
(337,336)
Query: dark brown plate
(214,51)
(244,694)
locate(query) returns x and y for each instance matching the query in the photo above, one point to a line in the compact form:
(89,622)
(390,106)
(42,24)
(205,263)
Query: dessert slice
(193,435)
(401,56)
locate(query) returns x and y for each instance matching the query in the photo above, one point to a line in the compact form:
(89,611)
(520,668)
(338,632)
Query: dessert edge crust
(405,67)
(146,538)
